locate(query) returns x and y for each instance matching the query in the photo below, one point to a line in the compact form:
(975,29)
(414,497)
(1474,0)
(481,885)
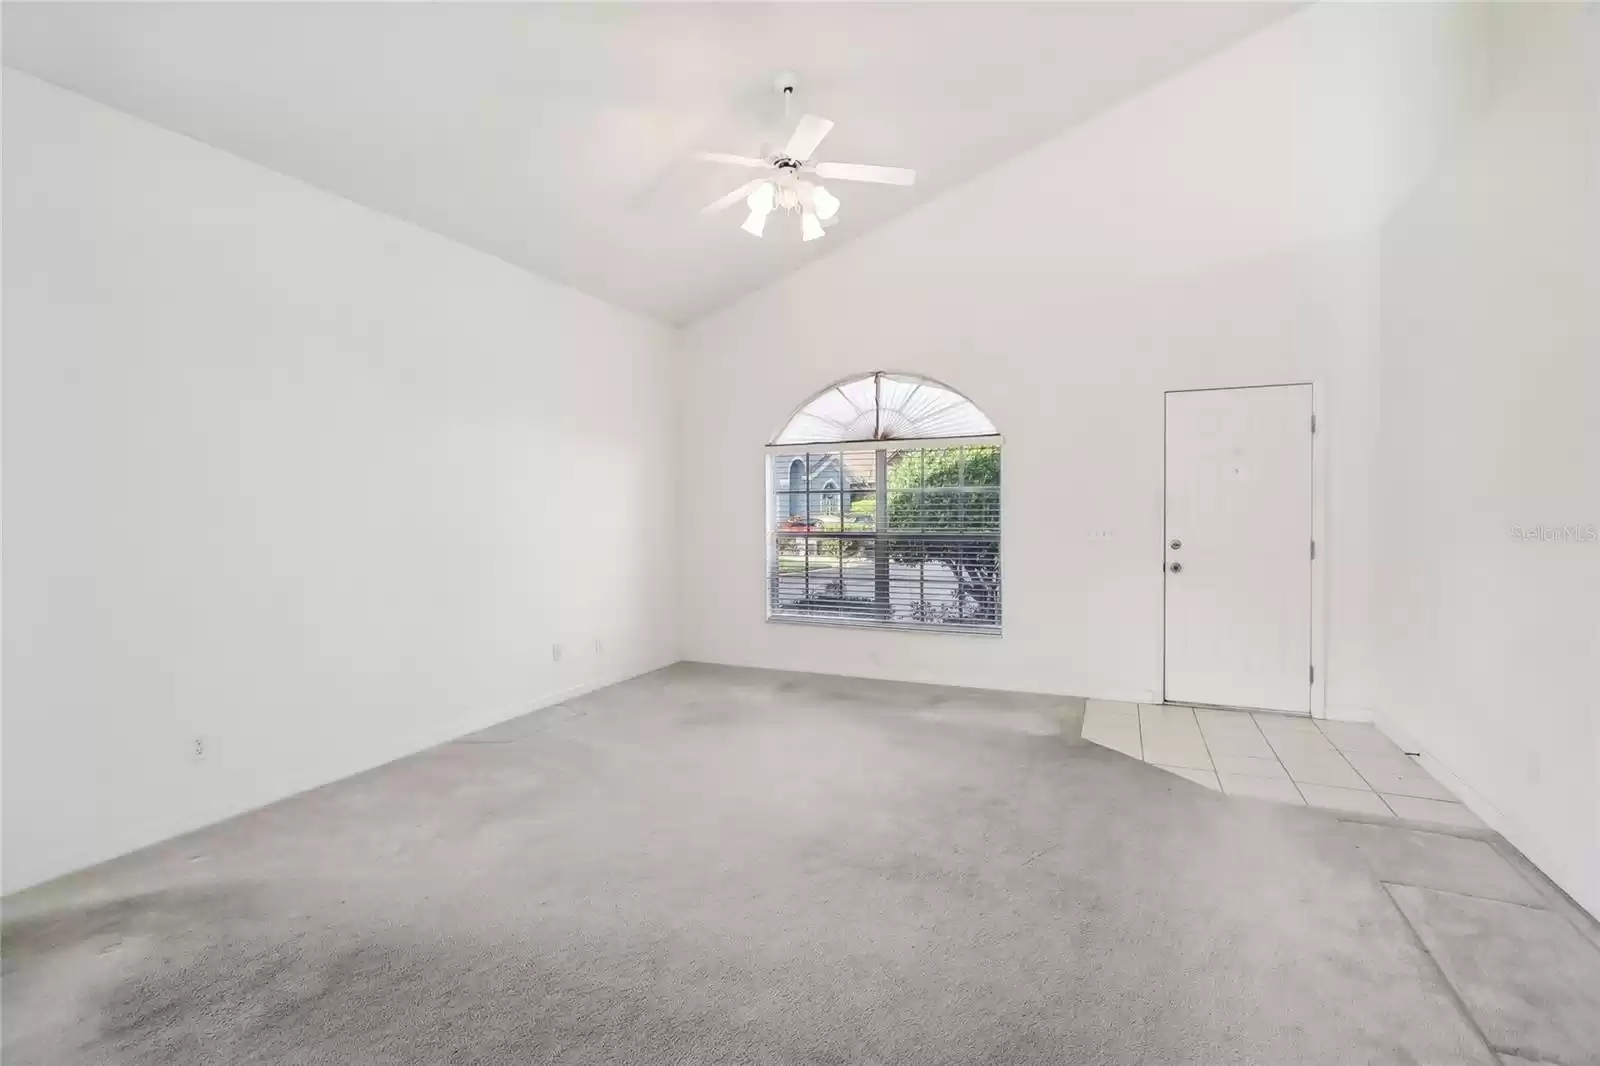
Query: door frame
(1319,535)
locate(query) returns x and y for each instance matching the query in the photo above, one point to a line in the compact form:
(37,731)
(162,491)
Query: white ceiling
(555,136)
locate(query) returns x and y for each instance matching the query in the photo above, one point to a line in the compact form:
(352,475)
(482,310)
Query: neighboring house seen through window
(886,509)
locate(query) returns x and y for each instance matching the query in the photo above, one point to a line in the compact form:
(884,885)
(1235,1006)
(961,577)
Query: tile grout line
(1194,717)
(1455,994)
(1212,759)
(1281,764)
(1382,796)
(1354,768)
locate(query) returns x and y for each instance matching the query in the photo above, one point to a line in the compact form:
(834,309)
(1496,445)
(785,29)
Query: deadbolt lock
(1177,544)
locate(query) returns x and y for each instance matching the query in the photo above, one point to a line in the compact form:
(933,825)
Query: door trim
(1319,534)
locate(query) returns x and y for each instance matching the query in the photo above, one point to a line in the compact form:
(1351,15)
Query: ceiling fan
(787,183)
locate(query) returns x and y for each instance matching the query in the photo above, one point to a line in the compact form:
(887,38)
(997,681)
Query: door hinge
(1313,549)
(1313,676)
(1313,423)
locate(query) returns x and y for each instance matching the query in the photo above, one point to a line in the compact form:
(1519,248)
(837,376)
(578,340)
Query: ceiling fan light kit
(786,186)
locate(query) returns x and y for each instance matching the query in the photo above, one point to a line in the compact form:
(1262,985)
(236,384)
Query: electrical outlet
(599,647)
(555,653)
(199,747)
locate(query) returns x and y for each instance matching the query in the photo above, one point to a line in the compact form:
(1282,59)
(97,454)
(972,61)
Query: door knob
(1176,567)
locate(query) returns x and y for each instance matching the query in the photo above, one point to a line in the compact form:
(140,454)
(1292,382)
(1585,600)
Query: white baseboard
(478,723)
(447,730)
(1517,832)
(1409,743)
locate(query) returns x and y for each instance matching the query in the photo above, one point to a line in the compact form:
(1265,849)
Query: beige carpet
(711,865)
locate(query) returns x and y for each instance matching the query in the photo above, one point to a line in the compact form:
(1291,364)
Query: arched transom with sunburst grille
(884,509)
(885,406)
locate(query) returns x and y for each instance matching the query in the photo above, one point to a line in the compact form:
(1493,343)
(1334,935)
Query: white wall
(292,477)
(1489,380)
(1216,230)
(321,489)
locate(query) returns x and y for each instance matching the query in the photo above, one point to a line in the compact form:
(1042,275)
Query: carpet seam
(1455,993)
(1471,895)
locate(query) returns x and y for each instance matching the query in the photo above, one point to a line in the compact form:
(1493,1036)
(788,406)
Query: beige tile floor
(1340,766)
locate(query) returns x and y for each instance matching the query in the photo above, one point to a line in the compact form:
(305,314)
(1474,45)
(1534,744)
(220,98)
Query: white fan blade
(736,160)
(807,136)
(732,198)
(866,172)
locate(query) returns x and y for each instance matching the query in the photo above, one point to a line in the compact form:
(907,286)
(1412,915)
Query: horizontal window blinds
(907,537)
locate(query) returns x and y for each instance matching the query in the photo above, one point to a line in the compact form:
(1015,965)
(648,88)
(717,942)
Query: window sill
(888,627)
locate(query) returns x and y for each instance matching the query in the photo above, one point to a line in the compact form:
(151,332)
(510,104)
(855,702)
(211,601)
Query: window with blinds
(886,533)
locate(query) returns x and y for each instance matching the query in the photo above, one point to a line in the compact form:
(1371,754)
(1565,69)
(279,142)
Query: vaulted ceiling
(557,136)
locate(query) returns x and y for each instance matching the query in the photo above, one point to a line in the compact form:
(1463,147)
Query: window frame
(979,424)
(881,533)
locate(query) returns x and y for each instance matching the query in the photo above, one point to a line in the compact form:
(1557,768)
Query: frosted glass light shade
(763,199)
(826,203)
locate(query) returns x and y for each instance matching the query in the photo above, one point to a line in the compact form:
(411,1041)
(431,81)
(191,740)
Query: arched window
(884,406)
(886,508)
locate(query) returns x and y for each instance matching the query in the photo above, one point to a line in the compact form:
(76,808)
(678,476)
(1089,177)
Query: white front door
(1238,547)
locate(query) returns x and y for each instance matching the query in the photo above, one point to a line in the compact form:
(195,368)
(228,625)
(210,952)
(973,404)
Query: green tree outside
(936,494)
